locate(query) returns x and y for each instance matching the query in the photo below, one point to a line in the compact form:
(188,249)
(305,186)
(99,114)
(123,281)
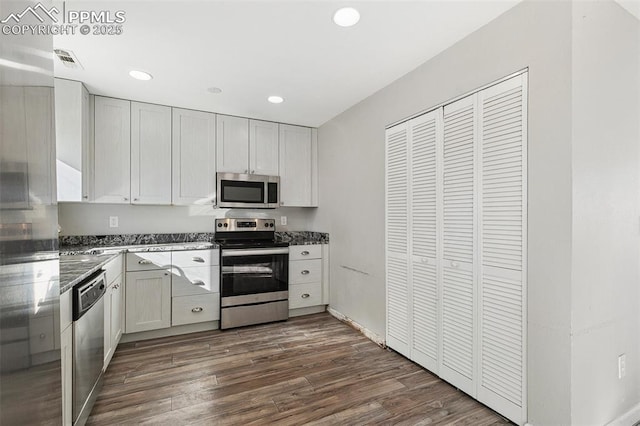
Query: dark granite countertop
(83,255)
(74,269)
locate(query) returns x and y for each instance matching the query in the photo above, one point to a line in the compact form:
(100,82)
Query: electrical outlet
(113,221)
(283,220)
(622,366)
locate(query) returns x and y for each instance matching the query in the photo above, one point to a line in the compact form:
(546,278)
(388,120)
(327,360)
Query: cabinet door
(148,301)
(112,151)
(397,240)
(297,167)
(108,351)
(458,241)
(66,354)
(117,312)
(72,140)
(502,278)
(150,154)
(193,157)
(425,138)
(232,144)
(263,148)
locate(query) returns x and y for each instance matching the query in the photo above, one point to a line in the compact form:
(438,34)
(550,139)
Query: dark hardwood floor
(308,370)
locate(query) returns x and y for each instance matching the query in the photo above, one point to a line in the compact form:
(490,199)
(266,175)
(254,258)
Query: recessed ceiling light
(275,99)
(140,75)
(215,90)
(346,17)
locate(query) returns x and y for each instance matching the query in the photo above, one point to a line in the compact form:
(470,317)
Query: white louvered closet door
(425,133)
(503,207)
(397,240)
(458,243)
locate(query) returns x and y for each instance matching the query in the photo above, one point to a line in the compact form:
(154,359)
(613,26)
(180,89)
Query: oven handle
(254,252)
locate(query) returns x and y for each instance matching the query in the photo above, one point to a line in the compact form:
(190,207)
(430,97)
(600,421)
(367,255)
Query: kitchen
(581,336)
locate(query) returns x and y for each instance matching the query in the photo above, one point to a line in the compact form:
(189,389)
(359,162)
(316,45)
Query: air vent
(68,58)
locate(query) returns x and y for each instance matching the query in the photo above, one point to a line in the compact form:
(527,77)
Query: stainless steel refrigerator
(30,383)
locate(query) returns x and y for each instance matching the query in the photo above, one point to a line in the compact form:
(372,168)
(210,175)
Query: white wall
(533,34)
(93,219)
(606,234)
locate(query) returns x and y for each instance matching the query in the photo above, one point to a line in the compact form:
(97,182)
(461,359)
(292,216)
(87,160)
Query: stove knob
(271,225)
(266,225)
(219,225)
(226,225)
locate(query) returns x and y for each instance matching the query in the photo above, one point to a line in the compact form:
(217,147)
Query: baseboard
(630,418)
(306,311)
(171,331)
(367,333)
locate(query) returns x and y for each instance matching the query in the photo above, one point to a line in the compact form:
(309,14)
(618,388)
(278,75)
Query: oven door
(254,275)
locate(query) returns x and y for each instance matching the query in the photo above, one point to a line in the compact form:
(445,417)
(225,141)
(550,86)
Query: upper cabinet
(247,146)
(298,166)
(193,157)
(72,121)
(232,144)
(112,155)
(263,148)
(150,154)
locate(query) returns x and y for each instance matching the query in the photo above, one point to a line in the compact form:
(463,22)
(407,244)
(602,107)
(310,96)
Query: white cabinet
(195,286)
(113,307)
(150,154)
(112,151)
(456,243)
(232,144)
(148,300)
(193,157)
(73,156)
(306,276)
(298,166)
(247,146)
(66,358)
(263,148)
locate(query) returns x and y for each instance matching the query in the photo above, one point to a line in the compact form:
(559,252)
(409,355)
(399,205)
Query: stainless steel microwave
(236,190)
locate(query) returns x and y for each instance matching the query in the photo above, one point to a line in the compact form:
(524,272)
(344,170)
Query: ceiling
(253,49)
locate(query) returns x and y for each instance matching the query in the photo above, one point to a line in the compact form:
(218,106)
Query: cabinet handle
(197,259)
(246,171)
(135,199)
(253,171)
(126,199)
(454,264)
(144,262)
(85,196)
(42,336)
(305,296)
(198,282)
(197,309)
(166,273)
(305,272)
(305,253)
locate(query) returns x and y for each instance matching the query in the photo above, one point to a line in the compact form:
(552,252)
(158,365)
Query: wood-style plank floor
(308,370)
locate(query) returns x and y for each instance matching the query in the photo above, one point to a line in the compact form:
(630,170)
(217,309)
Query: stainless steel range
(254,273)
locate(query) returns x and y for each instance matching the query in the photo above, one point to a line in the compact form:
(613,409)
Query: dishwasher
(88,344)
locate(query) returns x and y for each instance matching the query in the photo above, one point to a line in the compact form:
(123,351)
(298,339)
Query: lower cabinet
(113,318)
(308,280)
(194,309)
(66,354)
(148,300)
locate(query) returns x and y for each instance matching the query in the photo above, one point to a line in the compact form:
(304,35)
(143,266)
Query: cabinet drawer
(147,261)
(114,269)
(305,271)
(193,309)
(186,258)
(304,295)
(196,280)
(305,252)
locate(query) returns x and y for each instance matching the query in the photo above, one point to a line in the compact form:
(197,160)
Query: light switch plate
(113,221)
(283,220)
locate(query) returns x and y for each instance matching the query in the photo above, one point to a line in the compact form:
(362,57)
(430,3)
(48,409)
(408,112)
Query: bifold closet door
(457,348)
(397,240)
(503,207)
(424,137)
